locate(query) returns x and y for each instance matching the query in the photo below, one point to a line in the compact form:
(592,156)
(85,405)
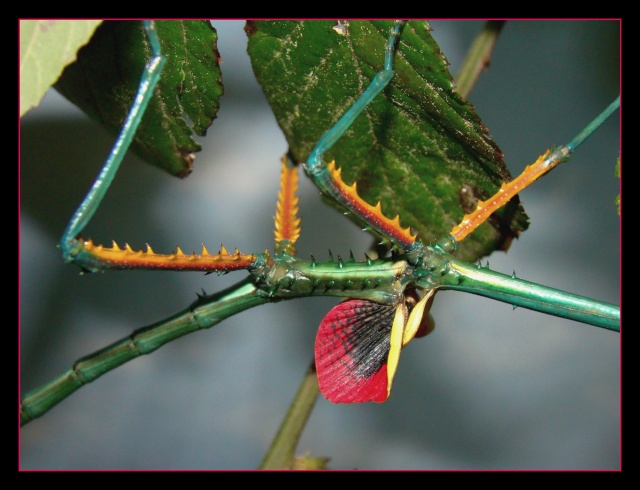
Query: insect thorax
(380,280)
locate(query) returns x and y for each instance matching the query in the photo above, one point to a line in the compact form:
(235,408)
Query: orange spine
(115,257)
(484,209)
(287,223)
(372,215)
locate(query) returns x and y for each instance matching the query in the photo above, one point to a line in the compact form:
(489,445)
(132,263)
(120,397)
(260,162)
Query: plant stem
(478,57)
(281,453)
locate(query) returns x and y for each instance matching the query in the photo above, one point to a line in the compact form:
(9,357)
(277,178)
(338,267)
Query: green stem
(281,454)
(204,313)
(478,57)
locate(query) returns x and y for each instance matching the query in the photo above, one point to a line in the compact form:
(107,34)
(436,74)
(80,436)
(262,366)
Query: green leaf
(46,47)
(419,147)
(105,78)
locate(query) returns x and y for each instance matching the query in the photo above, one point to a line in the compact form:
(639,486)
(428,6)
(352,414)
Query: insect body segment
(381,280)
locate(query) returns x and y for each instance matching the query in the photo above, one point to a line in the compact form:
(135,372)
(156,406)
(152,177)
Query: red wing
(352,348)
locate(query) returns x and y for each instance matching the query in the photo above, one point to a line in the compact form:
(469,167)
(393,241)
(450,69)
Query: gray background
(491,388)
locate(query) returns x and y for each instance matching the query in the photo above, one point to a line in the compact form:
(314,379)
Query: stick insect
(242,367)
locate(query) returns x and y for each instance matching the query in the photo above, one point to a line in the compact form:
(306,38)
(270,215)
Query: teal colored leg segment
(563,153)
(595,124)
(379,82)
(518,292)
(69,244)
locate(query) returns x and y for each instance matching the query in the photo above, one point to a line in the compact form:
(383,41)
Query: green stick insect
(418,259)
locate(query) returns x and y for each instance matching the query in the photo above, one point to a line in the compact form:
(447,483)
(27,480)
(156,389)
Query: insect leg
(70,244)
(327,176)
(94,257)
(547,161)
(287,222)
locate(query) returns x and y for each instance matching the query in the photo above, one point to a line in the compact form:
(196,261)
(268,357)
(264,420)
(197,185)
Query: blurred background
(490,388)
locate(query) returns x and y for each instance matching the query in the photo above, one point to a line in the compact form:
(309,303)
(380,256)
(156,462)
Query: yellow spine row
(287,223)
(117,257)
(484,209)
(372,214)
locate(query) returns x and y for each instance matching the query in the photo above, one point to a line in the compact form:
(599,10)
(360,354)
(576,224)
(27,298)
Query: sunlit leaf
(46,47)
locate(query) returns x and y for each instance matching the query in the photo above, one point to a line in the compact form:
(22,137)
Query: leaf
(46,47)
(104,81)
(419,147)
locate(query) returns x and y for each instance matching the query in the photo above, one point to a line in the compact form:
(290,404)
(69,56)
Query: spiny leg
(550,159)
(287,222)
(461,276)
(92,257)
(70,244)
(327,177)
